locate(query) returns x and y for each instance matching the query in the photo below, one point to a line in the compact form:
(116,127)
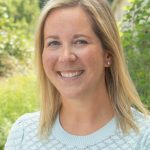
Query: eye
(80,42)
(53,44)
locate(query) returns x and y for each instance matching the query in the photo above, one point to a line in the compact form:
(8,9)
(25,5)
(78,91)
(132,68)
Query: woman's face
(73,57)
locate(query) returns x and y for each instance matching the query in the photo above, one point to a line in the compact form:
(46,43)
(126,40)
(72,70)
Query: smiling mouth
(72,74)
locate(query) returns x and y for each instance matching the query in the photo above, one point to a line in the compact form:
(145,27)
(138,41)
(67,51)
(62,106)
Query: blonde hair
(120,87)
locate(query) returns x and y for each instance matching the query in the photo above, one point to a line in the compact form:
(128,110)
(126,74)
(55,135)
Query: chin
(72,95)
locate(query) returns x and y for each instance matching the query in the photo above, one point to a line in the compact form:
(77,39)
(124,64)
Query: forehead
(68,15)
(68,10)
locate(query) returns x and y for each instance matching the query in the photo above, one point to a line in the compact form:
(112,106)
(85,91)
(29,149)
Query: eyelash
(57,43)
(81,42)
(53,43)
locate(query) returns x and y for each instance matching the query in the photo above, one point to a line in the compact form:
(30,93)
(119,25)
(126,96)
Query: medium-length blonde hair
(119,85)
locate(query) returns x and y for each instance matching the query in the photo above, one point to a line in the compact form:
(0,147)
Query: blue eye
(53,43)
(81,42)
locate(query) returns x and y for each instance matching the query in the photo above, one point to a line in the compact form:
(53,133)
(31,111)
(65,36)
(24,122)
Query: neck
(86,115)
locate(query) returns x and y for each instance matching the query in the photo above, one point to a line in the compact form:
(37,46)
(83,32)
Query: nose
(67,55)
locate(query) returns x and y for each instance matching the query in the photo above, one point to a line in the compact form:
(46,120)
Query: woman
(88,98)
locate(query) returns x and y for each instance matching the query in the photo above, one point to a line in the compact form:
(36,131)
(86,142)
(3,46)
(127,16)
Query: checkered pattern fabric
(23,136)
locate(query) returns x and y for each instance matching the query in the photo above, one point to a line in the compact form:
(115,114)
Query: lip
(70,74)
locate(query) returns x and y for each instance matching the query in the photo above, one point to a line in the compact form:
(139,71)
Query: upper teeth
(70,74)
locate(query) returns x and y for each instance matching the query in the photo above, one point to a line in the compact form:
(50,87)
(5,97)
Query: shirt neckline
(81,141)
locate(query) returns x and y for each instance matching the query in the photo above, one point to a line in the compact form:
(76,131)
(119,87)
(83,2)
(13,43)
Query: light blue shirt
(23,136)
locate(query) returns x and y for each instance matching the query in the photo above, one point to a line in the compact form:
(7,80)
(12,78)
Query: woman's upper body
(74,61)
(82,71)
(82,76)
(24,136)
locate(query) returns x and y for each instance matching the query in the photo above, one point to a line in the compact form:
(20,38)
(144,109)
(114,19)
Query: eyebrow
(75,36)
(52,37)
(80,35)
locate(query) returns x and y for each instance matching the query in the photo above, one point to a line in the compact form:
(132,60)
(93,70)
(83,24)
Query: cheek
(93,58)
(49,60)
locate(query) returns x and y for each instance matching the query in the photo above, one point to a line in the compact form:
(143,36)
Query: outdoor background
(18,18)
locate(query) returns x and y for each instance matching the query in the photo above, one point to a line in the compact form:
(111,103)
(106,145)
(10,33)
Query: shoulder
(28,119)
(141,120)
(143,123)
(26,124)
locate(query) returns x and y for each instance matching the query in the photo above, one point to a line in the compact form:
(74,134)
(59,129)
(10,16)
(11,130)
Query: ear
(107,59)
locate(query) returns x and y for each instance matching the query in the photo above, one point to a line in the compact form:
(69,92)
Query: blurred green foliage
(42,3)
(17,22)
(110,1)
(18,95)
(136,43)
